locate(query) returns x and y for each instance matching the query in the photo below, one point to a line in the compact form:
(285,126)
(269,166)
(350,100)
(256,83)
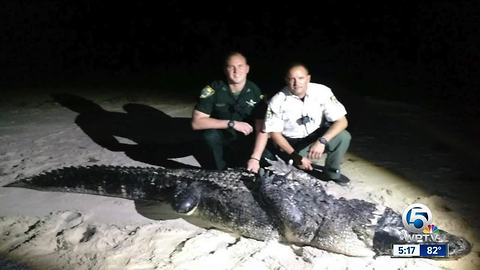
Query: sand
(400,154)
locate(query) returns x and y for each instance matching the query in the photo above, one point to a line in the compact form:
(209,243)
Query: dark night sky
(432,45)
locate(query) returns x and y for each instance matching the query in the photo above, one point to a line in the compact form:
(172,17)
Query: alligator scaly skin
(294,208)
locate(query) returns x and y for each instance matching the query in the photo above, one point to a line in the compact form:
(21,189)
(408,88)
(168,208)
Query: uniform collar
(245,88)
(289,93)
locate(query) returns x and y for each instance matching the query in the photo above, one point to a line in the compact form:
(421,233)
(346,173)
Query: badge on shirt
(251,103)
(207,91)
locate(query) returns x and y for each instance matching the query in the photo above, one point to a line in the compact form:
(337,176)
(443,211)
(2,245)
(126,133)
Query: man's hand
(316,150)
(243,127)
(253,165)
(306,164)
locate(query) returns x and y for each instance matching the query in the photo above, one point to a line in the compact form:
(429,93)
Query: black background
(422,52)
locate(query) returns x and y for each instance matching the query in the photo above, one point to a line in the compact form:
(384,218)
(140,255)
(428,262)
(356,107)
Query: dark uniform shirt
(217,100)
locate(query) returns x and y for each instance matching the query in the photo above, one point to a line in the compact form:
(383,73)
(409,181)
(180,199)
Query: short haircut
(232,54)
(296,65)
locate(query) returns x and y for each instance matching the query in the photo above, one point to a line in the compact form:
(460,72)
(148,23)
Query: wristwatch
(231,124)
(322,140)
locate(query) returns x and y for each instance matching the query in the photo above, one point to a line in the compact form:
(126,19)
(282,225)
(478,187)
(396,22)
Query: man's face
(297,80)
(236,69)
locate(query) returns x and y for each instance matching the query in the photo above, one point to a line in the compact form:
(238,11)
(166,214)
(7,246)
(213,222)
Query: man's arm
(338,126)
(279,140)
(202,121)
(253,164)
(277,137)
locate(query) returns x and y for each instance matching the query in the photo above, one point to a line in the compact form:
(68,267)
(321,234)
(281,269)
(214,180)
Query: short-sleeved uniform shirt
(295,118)
(219,102)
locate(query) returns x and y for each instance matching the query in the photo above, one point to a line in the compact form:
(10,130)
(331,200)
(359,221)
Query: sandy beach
(400,154)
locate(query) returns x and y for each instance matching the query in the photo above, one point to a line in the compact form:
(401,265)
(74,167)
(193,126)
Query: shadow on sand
(156,136)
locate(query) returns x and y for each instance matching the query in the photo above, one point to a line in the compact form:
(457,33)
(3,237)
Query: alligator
(284,204)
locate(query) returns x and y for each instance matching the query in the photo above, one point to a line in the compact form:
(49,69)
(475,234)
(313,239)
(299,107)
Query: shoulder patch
(207,91)
(334,99)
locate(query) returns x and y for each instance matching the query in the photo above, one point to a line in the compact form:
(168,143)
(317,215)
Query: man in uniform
(226,113)
(304,121)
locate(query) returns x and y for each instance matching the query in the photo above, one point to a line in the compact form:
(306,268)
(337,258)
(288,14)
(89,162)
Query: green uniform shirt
(217,100)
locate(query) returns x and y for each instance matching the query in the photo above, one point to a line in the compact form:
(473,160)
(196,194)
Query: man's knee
(345,136)
(340,142)
(212,136)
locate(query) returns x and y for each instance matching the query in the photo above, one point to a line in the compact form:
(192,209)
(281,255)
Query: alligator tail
(123,182)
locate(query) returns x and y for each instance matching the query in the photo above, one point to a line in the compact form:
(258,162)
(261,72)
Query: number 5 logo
(416,217)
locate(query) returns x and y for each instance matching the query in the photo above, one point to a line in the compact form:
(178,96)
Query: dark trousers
(225,148)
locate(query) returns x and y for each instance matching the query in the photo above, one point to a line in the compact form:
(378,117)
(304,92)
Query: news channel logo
(416,218)
(423,239)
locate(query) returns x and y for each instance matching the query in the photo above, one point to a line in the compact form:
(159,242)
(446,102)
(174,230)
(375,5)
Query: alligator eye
(186,202)
(186,206)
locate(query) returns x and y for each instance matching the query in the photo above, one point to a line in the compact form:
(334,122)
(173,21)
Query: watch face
(323,140)
(231,123)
